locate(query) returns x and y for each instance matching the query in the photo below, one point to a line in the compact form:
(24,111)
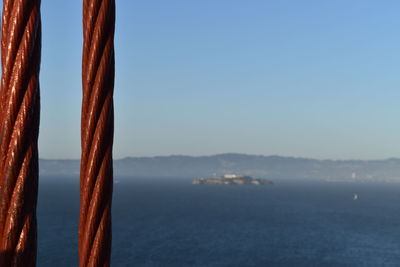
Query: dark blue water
(169,222)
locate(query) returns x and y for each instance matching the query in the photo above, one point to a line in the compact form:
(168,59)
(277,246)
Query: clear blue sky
(317,79)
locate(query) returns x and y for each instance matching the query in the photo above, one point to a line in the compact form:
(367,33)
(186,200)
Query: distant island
(267,167)
(232,179)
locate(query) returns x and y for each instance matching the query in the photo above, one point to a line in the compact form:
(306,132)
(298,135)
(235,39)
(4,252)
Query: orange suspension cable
(97,128)
(19,129)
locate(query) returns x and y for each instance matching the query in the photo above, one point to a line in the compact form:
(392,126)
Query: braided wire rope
(19,129)
(97,128)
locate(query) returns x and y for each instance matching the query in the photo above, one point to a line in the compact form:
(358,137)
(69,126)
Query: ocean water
(170,222)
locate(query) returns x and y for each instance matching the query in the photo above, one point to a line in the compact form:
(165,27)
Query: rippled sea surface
(170,222)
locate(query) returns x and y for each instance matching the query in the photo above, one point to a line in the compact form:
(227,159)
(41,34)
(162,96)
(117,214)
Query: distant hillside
(271,167)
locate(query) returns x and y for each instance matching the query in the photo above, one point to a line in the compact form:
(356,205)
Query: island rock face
(232,179)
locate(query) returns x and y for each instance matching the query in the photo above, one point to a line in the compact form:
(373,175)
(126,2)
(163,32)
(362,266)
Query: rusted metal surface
(97,127)
(19,128)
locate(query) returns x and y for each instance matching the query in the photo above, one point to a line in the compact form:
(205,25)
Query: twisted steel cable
(97,127)
(19,129)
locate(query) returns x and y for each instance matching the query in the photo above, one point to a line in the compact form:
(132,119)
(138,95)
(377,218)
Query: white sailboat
(355,197)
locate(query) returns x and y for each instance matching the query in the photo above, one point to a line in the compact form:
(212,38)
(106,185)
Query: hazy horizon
(232,153)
